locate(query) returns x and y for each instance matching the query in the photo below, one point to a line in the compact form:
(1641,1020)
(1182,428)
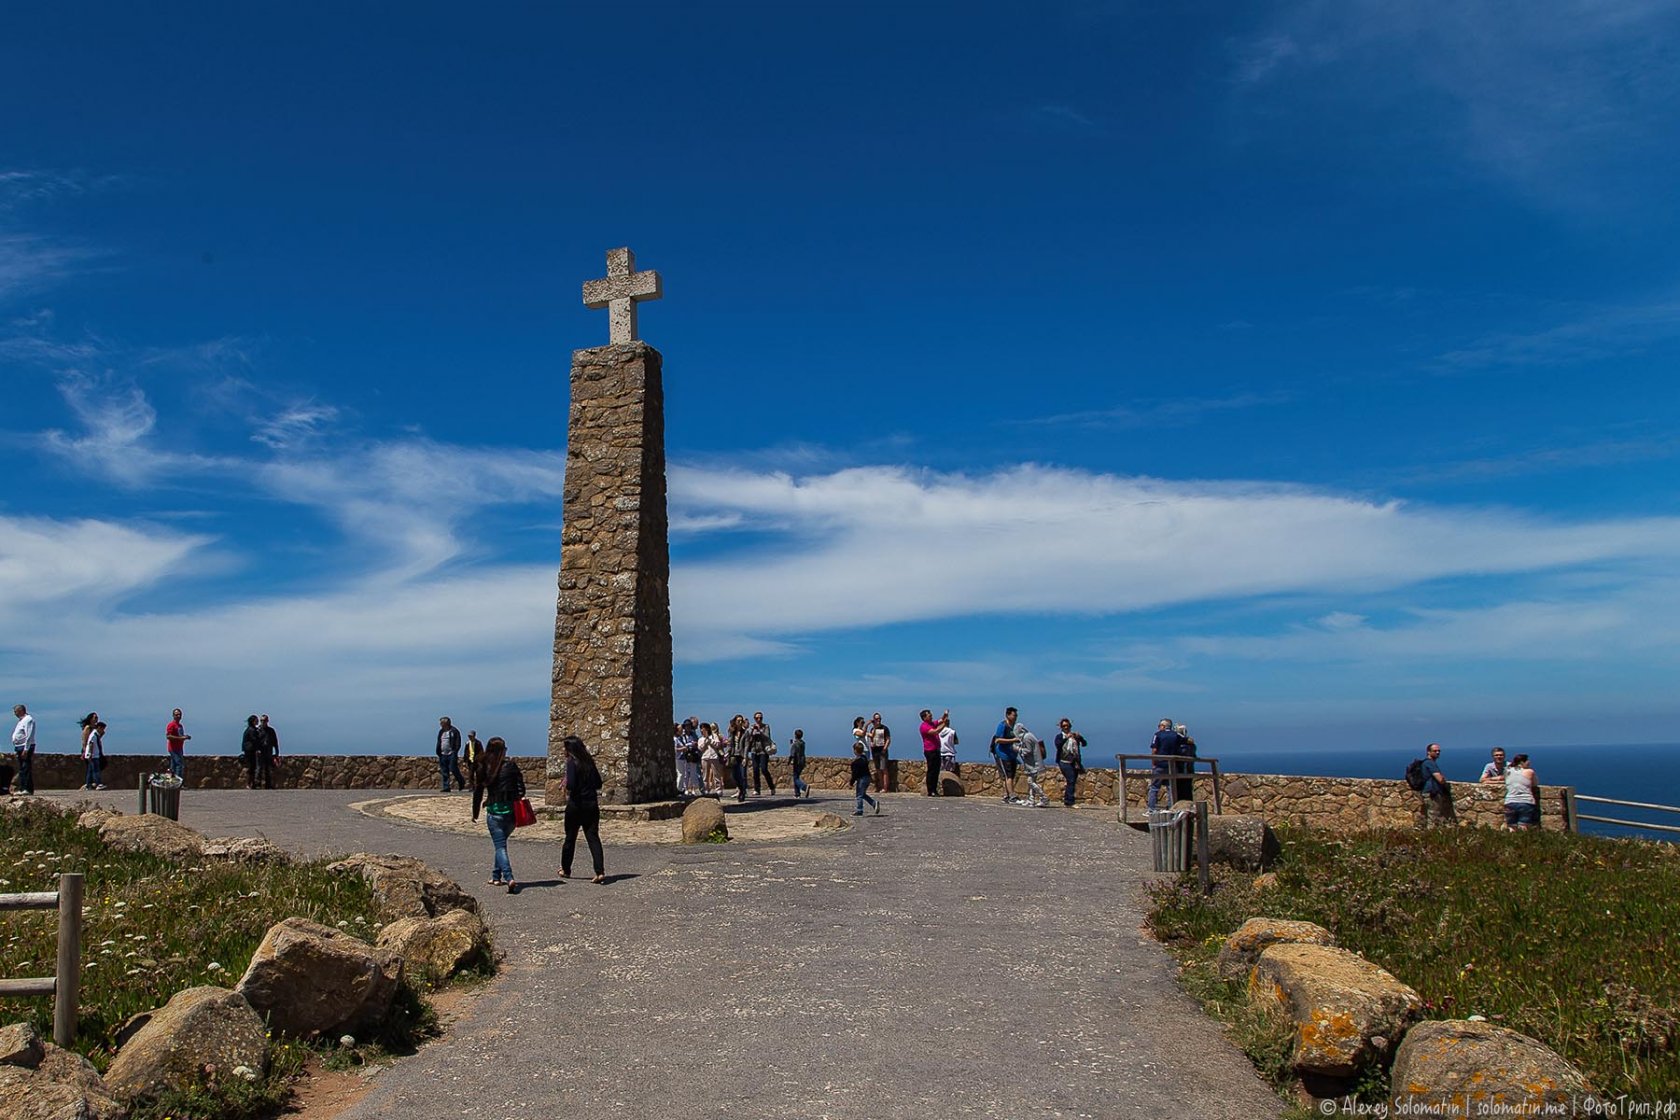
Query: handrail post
(1202,847)
(1571,823)
(142,810)
(69,979)
(1218,804)
(1120,778)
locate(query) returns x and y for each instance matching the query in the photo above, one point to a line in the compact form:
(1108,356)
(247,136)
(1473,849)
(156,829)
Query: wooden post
(142,791)
(1202,847)
(1120,791)
(69,978)
(1218,804)
(1571,823)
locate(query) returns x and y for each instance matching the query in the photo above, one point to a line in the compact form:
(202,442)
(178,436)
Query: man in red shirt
(176,737)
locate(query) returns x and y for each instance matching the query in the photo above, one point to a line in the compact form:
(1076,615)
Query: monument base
(641,811)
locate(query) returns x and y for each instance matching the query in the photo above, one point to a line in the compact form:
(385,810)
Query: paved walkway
(953,958)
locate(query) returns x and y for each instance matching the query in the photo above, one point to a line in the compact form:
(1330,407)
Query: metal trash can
(165,796)
(1170,835)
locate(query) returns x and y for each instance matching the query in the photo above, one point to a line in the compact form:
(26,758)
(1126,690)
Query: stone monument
(612,628)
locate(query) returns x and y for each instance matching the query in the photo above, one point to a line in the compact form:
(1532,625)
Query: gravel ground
(952,958)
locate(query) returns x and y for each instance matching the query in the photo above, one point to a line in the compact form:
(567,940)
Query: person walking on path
(583,807)
(1435,799)
(472,753)
(1003,752)
(248,745)
(503,785)
(1522,796)
(449,753)
(762,747)
(930,729)
(796,761)
(93,751)
(268,752)
(1070,759)
(860,781)
(175,739)
(711,761)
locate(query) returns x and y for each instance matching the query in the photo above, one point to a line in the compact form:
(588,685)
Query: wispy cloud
(1166,413)
(1560,99)
(1592,334)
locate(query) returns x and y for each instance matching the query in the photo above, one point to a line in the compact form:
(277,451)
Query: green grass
(1568,939)
(152,927)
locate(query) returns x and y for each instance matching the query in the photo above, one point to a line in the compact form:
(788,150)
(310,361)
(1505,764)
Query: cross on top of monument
(620,291)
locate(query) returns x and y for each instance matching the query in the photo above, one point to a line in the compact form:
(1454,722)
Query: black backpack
(1415,777)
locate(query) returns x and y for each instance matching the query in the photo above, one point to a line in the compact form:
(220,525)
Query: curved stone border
(454,814)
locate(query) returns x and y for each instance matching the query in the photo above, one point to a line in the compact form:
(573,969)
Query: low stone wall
(304,771)
(1336,804)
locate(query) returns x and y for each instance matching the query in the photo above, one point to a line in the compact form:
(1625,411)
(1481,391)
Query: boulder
(245,849)
(951,786)
(199,1028)
(434,949)
(703,823)
(1255,936)
(307,979)
(829,820)
(95,817)
(20,1046)
(1244,842)
(406,887)
(63,1085)
(1461,1068)
(149,832)
(1346,1010)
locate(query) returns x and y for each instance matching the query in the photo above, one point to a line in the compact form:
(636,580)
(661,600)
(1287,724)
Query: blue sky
(1303,371)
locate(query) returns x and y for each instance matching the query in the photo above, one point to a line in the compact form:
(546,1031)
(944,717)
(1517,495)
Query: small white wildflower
(347,1041)
(213,966)
(245,1072)
(342,923)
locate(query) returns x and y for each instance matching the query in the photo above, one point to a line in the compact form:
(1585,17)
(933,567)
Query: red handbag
(523,814)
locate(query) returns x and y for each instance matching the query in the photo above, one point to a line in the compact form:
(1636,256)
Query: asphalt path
(951,958)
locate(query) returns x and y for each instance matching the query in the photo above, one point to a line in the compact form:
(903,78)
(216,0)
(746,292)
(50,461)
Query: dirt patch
(453,813)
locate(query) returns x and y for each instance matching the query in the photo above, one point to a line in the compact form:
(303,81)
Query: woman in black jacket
(583,807)
(503,784)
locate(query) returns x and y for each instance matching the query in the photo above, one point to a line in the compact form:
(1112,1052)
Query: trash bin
(165,795)
(1170,834)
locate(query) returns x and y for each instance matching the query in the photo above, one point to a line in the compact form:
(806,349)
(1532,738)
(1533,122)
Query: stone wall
(304,771)
(612,631)
(1337,804)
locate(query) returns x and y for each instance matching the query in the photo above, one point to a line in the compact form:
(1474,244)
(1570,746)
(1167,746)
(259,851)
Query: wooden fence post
(69,978)
(1202,846)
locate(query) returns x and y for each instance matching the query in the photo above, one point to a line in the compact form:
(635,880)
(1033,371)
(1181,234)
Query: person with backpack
(1435,800)
(583,807)
(503,785)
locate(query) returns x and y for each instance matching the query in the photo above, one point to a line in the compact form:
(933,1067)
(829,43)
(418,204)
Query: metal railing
(1180,767)
(1576,815)
(65,986)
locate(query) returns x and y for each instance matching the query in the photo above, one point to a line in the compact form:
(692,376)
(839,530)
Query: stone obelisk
(612,629)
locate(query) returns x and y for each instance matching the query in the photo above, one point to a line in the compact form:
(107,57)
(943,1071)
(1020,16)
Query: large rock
(1461,1068)
(703,823)
(21,1046)
(93,819)
(1246,843)
(951,786)
(149,832)
(307,979)
(198,1028)
(434,949)
(1255,936)
(63,1085)
(245,849)
(1348,1012)
(406,887)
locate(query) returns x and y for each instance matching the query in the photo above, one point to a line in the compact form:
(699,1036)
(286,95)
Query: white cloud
(46,561)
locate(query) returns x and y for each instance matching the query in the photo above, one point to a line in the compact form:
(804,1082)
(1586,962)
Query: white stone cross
(620,292)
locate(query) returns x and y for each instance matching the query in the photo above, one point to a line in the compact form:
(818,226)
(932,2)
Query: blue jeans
(93,767)
(862,787)
(450,764)
(177,762)
(501,826)
(1070,779)
(799,784)
(761,769)
(738,770)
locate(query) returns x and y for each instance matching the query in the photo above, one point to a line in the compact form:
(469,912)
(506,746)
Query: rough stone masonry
(612,628)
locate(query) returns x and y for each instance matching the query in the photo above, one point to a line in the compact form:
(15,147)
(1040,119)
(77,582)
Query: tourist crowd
(1514,780)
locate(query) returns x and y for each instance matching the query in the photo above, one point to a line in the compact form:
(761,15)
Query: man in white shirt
(23,744)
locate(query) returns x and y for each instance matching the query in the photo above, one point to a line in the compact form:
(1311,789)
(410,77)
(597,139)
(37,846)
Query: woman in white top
(711,758)
(1522,789)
